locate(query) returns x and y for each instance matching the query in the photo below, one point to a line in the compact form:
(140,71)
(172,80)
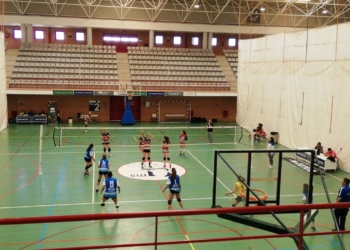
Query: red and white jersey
(165,146)
(105,137)
(183,138)
(146,144)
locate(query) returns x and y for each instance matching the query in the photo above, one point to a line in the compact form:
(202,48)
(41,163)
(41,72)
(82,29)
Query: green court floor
(62,189)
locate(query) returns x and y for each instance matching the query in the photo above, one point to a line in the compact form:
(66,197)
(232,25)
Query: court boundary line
(207,169)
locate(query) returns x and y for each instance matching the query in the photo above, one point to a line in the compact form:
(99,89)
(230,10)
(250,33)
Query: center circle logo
(155,173)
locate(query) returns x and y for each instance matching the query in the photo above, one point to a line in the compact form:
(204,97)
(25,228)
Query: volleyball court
(63,190)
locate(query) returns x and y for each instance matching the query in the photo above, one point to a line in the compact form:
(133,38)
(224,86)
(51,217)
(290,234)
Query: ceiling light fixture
(324,11)
(262,8)
(196,6)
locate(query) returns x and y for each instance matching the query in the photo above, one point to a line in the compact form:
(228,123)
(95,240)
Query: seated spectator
(319,148)
(31,113)
(259,132)
(331,155)
(42,113)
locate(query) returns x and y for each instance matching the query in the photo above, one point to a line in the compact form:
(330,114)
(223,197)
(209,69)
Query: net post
(60,136)
(40,148)
(93,179)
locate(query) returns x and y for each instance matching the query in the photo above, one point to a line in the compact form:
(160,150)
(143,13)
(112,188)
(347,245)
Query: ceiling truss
(277,13)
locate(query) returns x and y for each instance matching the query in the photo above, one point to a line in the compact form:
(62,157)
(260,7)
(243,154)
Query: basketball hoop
(253,198)
(130,95)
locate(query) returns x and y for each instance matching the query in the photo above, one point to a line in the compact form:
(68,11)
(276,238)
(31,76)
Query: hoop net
(263,197)
(130,95)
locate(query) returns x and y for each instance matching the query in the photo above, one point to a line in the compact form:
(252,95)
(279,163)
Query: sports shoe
(270,166)
(86,174)
(96,190)
(313,229)
(180,155)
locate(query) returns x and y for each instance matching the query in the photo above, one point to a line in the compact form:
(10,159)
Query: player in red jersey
(165,150)
(146,149)
(105,137)
(183,139)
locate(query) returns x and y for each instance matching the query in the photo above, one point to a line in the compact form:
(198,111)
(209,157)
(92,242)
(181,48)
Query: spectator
(319,148)
(331,155)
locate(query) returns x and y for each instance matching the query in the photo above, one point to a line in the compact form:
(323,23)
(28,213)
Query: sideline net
(120,136)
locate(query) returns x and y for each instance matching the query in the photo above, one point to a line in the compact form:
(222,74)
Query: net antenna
(41,149)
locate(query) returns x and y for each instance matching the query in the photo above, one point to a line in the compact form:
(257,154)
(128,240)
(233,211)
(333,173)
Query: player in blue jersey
(89,157)
(103,166)
(341,213)
(111,185)
(305,200)
(173,183)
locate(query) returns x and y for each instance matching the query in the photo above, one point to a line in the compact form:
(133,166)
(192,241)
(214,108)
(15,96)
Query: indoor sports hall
(244,103)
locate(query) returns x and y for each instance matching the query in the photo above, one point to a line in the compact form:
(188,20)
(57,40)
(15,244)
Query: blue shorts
(175,191)
(110,195)
(102,172)
(87,159)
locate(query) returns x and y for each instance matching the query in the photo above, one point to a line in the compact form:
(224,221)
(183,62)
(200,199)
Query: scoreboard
(94,105)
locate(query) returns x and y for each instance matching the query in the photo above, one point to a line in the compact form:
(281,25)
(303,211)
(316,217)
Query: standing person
(87,120)
(89,157)
(237,191)
(183,139)
(58,117)
(103,166)
(105,136)
(210,131)
(110,184)
(271,146)
(165,151)
(305,200)
(146,150)
(174,185)
(141,139)
(341,213)
(319,148)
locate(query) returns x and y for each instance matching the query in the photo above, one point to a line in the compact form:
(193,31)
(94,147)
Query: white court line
(134,201)
(208,170)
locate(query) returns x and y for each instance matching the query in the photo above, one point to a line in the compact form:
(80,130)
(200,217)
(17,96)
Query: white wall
(298,85)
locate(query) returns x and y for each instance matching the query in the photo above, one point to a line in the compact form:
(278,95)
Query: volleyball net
(124,136)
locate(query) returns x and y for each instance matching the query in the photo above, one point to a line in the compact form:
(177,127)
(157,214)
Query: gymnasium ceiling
(277,13)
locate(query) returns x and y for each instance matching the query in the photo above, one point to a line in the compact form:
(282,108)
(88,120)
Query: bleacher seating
(232,58)
(176,68)
(65,65)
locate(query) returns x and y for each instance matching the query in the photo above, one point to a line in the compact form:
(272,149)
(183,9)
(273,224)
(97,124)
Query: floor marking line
(208,170)
(190,242)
